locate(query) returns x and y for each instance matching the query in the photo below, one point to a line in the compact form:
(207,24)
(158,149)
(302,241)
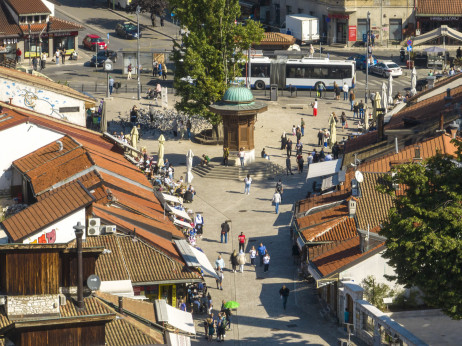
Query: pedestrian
(261,253)
(164,71)
(175,128)
(224,231)
(345,91)
(34,63)
(241,239)
(219,278)
(181,128)
(233,260)
(314,105)
(337,91)
(225,156)
(361,109)
(221,326)
(57,56)
(129,71)
(43,60)
(111,85)
(227,312)
(293,130)
(219,263)
(182,305)
(289,147)
(211,325)
(356,110)
(241,156)
(352,98)
(63,56)
(301,162)
(210,303)
(320,137)
(266,261)
(159,69)
(253,255)
(276,200)
(241,260)
(279,187)
(283,140)
(162,21)
(154,68)
(284,293)
(247,183)
(188,129)
(299,147)
(298,133)
(302,126)
(343,119)
(319,89)
(18,55)
(206,326)
(198,223)
(288,166)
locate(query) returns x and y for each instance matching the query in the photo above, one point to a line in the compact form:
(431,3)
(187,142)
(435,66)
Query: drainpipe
(78,235)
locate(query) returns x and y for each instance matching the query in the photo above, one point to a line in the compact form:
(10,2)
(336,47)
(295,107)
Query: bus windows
(340,72)
(262,71)
(296,71)
(320,72)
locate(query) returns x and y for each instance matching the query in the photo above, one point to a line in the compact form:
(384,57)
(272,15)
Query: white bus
(305,74)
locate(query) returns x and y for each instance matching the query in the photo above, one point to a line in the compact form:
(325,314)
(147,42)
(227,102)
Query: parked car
(102,56)
(91,41)
(127,30)
(361,61)
(386,68)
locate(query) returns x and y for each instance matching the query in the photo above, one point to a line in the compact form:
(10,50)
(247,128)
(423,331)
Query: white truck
(303,27)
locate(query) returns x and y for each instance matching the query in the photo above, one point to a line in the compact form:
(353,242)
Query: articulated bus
(306,73)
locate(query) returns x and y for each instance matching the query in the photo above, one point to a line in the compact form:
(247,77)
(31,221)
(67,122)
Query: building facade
(345,22)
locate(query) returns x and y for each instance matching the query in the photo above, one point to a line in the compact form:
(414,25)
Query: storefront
(8,48)
(431,14)
(171,293)
(49,43)
(339,27)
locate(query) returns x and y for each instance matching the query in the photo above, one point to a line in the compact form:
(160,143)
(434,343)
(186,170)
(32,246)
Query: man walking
(320,137)
(241,239)
(345,91)
(266,261)
(261,252)
(277,200)
(289,147)
(129,71)
(219,262)
(288,166)
(302,126)
(284,293)
(224,231)
(111,85)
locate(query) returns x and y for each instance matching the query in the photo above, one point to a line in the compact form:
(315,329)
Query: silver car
(387,68)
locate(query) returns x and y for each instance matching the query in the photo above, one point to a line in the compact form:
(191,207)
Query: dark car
(360,60)
(127,30)
(102,56)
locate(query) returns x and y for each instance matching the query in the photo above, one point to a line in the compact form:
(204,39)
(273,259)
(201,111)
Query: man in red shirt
(241,241)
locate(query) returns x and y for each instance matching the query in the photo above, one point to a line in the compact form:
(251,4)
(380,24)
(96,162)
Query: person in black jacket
(224,231)
(284,293)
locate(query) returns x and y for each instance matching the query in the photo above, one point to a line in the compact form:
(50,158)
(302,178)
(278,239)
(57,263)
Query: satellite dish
(359,177)
(93,282)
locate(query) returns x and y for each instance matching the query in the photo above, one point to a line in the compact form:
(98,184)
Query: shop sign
(445,19)
(338,16)
(62,34)
(352,33)
(9,41)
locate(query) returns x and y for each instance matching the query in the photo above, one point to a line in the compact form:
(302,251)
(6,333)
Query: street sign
(409,42)
(108,36)
(409,48)
(364,37)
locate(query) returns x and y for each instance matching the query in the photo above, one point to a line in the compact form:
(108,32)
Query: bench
(296,106)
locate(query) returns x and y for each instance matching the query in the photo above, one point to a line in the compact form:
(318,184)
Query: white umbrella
(189,164)
(413,81)
(160,153)
(390,90)
(134,136)
(384,97)
(377,103)
(333,131)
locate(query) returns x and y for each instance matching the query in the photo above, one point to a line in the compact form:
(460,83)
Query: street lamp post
(368,51)
(138,9)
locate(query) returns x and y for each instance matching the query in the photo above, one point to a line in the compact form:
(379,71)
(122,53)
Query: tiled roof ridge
(322,207)
(65,21)
(123,257)
(438,84)
(330,227)
(318,224)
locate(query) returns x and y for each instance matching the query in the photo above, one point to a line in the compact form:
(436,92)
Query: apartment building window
(277,10)
(300,10)
(396,29)
(361,29)
(288,9)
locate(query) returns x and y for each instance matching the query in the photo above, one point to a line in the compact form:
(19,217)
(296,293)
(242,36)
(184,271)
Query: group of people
(159,70)
(218,324)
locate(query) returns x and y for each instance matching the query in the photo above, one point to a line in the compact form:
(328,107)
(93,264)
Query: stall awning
(119,142)
(182,224)
(174,339)
(120,287)
(177,212)
(443,30)
(164,198)
(195,258)
(174,317)
(323,169)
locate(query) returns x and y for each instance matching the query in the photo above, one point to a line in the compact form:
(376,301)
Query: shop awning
(177,212)
(174,339)
(195,258)
(323,169)
(164,198)
(182,224)
(121,143)
(120,287)
(174,317)
(443,30)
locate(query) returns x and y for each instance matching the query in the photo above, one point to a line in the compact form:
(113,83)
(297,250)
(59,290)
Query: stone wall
(32,305)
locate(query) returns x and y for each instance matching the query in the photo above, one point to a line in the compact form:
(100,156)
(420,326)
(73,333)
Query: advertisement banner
(352,33)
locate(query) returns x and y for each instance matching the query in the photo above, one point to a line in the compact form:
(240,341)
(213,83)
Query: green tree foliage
(154,7)
(375,292)
(424,230)
(210,53)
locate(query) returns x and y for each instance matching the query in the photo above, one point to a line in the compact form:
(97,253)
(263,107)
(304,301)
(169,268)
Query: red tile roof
(330,214)
(9,118)
(8,25)
(316,201)
(47,211)
(335,230)
(120,332)
(93,306)
(58,24)
(439,7)
(276,38)
(341,255)
(28,6)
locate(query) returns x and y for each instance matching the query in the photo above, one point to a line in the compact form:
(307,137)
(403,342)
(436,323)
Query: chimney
(78,235)
(442,122)
(363,242)
(417,153)
(352,207)
(448,97)
(380,125)
(121,305)
(453,132)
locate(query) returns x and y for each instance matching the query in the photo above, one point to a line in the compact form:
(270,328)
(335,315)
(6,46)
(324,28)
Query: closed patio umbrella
(333,131)
(377,104)
(390,90)
(189,164)
(160,153)
(134,136)
(384,97)
(413,82)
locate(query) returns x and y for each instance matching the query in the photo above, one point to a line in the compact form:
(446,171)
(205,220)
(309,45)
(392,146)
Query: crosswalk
(375,83)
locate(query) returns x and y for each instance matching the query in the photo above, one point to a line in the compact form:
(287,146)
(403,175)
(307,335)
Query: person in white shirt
(328,157)
(277,200)
(345,91)
(242,156)
(247,182)
(199,224)
(253,255)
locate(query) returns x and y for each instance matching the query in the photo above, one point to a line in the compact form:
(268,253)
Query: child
(293,130)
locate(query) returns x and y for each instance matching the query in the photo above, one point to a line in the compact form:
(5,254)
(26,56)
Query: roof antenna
(61,146)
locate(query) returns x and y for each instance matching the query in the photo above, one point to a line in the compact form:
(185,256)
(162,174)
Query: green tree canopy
(210,53)
(424,230)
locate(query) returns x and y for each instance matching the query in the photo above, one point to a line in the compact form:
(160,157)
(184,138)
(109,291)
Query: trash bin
(274,92)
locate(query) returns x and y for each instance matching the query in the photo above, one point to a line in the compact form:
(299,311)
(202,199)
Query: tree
(154,7)
(211,52)
(424,230)
(375,292)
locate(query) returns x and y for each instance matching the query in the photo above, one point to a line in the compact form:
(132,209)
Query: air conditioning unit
(93,228)
(94,222)
(110,229)
(62,299)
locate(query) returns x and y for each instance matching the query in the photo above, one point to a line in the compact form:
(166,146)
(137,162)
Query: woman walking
(247,182)
(253,255)
(211,324)
(266,261)
(343,118)
(233,260)
(241,261)
(220,278)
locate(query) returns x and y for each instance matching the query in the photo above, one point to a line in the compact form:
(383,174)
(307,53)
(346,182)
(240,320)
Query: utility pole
(138,9)
(368,51)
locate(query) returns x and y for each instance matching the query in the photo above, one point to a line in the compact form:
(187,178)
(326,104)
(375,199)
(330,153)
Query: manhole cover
(293,325)
(243,211)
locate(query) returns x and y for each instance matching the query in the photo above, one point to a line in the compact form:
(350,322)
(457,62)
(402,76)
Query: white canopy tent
(442,31)
(174,317)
